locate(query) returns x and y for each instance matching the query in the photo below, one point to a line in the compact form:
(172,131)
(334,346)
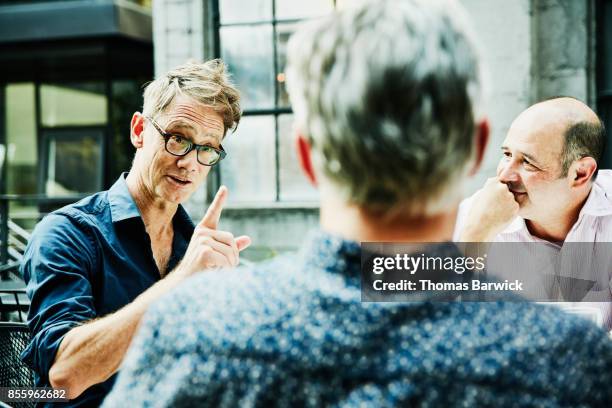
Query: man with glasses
(93,267)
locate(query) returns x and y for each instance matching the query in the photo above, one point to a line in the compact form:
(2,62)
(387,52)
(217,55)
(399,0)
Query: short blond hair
(206,82)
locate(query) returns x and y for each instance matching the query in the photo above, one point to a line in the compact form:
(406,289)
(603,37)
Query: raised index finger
(211,218)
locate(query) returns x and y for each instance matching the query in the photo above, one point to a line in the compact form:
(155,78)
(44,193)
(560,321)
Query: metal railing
(13,237)
(13,242)
(13,247)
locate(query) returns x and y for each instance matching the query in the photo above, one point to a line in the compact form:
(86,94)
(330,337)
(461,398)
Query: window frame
(63,133)
(214,179)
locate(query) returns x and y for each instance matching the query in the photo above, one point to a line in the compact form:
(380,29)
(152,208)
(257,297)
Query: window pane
(290,9)
(293,184)
(21,138)
(283,32)
(73,163)
(126,98)
(73,104)
(605,47)
(248,170)
(248,53)
(240,11)
(345,4)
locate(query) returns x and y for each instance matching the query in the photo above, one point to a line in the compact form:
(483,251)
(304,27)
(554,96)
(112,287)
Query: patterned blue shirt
(87,260)
(294,332)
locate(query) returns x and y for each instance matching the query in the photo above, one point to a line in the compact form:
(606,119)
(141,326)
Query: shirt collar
(331,253)
(324,251)
(599,202)
(121,203)
(123,207)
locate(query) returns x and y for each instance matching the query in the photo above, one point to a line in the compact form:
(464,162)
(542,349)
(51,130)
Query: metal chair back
(14,302)
(14,337)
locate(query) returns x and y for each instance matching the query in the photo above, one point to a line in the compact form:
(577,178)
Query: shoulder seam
(79,218)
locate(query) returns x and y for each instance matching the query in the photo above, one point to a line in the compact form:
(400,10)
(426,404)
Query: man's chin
(176,197)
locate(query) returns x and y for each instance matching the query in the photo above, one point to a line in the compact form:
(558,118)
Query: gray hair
(207,82)
(583,139)
(387,94)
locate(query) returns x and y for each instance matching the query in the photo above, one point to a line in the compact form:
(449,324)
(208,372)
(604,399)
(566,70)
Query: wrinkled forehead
(189,114)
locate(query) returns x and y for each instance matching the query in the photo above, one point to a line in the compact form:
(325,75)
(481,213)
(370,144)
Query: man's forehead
(189,114)
(539,144)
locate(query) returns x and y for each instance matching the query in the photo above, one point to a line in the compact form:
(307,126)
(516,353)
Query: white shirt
(593,227)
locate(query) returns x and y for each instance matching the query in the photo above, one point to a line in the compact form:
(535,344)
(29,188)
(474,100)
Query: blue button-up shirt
(87,260)
(294,332)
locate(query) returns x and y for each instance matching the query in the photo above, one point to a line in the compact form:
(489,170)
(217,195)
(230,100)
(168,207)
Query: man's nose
(506,171)
(189,161)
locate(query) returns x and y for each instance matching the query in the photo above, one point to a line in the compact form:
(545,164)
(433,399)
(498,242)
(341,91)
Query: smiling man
(92,268)
(548,177)
(548,190)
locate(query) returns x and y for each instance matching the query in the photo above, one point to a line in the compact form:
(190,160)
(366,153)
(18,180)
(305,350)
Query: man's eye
(179,139)
(206,148)
(529,165)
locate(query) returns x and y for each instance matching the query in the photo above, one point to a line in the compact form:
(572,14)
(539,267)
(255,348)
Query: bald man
(548,188)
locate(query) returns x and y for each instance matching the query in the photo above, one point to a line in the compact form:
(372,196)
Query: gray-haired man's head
(387,95)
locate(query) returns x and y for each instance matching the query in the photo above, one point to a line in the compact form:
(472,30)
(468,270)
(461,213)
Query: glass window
(249,169)
(283,33)
(240,11)
(126,98)
(21,151)
(68,104)
(291,9)
(605,47)
(248,53)
(73,162)
(253,38)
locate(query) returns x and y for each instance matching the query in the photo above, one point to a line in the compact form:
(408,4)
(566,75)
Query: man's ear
(481,140)
(137,129)
(581,171)
(304,154)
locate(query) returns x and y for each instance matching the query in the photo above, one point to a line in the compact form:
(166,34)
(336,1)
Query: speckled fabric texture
(294,332)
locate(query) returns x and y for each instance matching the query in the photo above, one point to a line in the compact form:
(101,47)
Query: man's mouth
(179,180)
(518,194)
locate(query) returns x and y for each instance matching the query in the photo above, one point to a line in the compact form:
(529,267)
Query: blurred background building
(71,77)
(72,73)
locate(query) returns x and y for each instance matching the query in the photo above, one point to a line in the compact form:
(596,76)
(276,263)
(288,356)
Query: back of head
(207,83)
(387,94)
(585,134)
